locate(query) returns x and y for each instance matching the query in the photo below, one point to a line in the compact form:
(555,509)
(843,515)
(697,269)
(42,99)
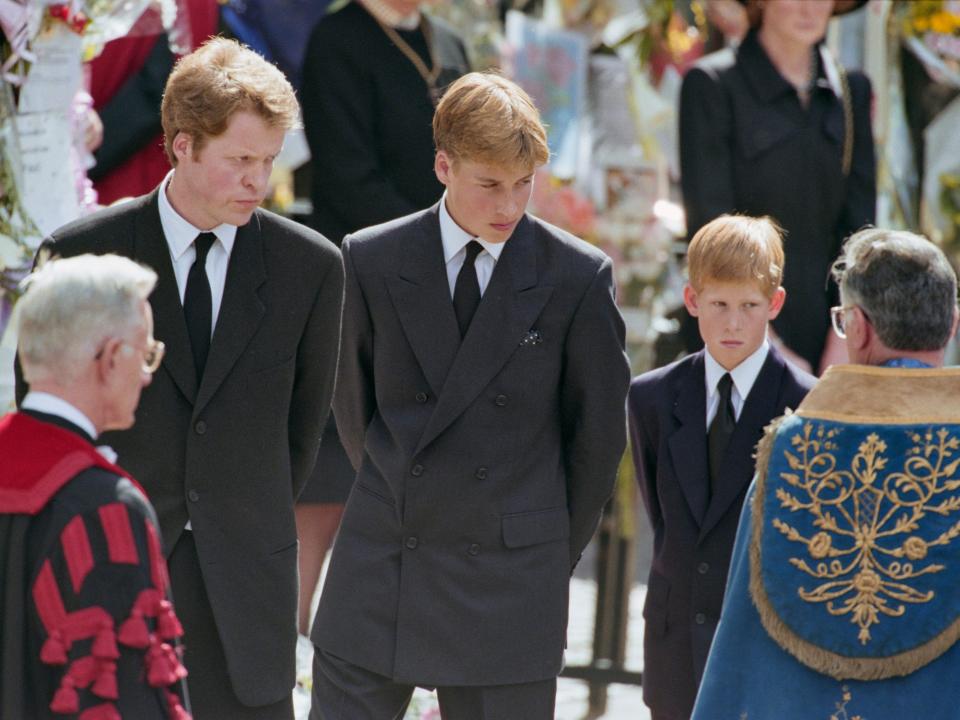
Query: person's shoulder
(90,232)
(391,236)
(97,487)
(560,245)
(794,382)
(668,376)
(860,86)
(339,26)
(289,236)
(713,65)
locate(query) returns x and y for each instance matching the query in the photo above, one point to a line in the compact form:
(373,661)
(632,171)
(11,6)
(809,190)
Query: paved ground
(624,702)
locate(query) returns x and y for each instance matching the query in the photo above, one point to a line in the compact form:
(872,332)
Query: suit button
(481,473)
(703,568)
(193,495)
(421,397)
(474,549)
(699,618)
(200,427)
(411,542)
(416,470)
(501,400)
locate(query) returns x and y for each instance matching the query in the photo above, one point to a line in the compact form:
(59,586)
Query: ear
(690,300)
(442,166)
(776,303)
(860,331)
(956,319)
(107,360)
(182,146)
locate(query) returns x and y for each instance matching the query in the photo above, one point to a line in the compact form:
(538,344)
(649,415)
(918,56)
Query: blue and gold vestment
(844,594)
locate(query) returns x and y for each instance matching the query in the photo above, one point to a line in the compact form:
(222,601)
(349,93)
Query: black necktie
(197,303)
(466,293)
(718,437)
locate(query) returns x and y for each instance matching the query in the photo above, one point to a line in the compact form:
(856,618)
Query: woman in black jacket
(778,128)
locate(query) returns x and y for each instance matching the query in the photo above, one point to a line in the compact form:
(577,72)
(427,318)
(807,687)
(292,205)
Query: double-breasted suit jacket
(483,464)
(694,529)
(231,453)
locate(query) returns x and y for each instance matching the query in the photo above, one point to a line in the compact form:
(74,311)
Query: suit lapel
(150,247)
(241,311)
(688,444)
(421,295)
(509,307)
(738,464)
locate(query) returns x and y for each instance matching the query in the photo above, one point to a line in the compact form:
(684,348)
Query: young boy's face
(485,200)
(733,317)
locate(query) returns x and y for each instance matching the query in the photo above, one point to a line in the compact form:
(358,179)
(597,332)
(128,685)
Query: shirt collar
(52,405)
(388,16)
(455,238)
(906,363)
(180,233)
(766,80)
(744,375)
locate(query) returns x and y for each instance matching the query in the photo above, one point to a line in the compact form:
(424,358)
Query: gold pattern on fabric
(867,555)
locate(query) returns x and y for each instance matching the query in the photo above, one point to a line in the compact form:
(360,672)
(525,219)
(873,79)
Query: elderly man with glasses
(844,590)
(87,625)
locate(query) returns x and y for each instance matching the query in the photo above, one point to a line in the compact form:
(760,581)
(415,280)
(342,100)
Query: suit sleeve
(706,158)
(101,609)
(355,401)
(315,374)
(593,391)
(339,122)
(644,455)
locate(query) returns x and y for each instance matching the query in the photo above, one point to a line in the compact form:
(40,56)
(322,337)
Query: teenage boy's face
(732,317)
(485,200)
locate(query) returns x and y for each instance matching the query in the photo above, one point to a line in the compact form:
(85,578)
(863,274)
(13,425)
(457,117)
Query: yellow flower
(820,545)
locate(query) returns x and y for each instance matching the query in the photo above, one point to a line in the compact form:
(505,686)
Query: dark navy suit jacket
(693,532)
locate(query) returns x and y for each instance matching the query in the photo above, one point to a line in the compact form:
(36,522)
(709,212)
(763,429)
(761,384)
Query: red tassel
(162,665)
(176,710)
(134,632)
(54,652)
(168,626)
(65,700)
(105,685)
(105,645)
(104,711)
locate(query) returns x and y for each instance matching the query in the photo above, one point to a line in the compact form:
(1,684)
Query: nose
(258,179)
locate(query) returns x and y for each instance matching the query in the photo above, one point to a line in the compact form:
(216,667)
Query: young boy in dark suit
(693,427)
(480,395)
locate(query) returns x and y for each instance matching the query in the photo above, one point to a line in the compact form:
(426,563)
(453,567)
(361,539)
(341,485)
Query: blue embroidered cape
(843,599)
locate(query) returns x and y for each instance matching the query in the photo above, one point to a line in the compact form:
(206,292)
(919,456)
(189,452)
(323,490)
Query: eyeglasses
(152,354)
(837,315)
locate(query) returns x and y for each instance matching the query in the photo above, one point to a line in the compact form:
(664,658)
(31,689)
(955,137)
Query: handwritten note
(56,75)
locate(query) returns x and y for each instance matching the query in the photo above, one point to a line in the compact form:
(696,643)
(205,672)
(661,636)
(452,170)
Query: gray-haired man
(86,620)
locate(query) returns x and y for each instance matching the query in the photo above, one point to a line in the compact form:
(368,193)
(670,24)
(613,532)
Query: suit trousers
(209,685)
(343,691)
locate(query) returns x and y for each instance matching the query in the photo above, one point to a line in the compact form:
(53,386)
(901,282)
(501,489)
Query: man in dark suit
(229,429)
(486,432)
(693,480)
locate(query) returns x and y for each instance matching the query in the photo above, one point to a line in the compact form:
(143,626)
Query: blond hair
(218,79)
(483,117)
(737,248)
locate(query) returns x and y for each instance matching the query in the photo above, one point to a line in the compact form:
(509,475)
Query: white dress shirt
(180,235)
(744,376)
(455,240)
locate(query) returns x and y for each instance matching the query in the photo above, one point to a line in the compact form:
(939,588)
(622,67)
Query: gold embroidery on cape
(867,552)
(841,707)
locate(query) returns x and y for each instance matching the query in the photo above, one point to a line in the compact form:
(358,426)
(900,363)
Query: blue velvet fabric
(748,675)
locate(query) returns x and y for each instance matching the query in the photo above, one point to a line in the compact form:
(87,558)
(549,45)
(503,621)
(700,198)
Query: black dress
(367,115)
(748,145)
